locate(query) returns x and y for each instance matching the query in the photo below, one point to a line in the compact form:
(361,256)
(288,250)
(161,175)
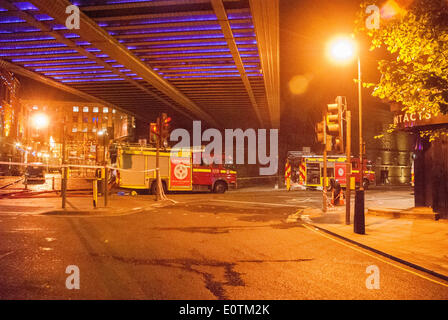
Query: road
(15,186)
(231,246)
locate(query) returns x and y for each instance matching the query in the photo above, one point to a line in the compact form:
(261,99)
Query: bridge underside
(213,60)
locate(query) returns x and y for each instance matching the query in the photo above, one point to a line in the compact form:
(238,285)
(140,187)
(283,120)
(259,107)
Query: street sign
(339,172)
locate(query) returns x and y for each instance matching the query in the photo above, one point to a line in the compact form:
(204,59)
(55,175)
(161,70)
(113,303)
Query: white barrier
(33,164)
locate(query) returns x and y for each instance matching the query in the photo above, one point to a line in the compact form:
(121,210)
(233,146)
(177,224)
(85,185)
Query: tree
(414,71)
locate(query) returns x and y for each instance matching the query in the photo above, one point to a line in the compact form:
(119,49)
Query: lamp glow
(40,121)
(342,49)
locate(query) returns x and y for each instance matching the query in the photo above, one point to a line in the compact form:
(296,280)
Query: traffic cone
(341,198)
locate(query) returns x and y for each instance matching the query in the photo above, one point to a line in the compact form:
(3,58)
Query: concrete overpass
(213,60)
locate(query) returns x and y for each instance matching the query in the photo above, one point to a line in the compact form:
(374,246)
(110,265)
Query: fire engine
(178,171)
(307,170)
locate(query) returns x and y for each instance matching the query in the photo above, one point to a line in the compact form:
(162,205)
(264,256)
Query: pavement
(78,205)
(244,244)
(420,242)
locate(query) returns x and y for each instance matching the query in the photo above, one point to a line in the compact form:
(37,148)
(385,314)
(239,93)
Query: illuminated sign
(417,119)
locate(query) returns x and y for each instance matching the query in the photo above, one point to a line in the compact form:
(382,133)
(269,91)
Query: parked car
(35,174)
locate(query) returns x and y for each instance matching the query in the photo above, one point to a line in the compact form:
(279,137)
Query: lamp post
(361,143)
(103,133)
(344,50)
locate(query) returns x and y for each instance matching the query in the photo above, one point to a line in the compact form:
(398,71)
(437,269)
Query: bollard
(95,193)
(106,182)
(352,183)
(359,221)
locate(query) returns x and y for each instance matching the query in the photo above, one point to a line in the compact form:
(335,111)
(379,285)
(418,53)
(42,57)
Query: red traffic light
(153,127)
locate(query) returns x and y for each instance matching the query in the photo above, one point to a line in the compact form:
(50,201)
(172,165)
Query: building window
(84,130)
(85,119)
(95,109)
(85,109)
(75,130)
(75,119)
(75,109)
(105,110)
(113,111)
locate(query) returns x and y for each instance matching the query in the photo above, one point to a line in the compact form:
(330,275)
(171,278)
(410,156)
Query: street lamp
(103,133)
(344,49)
(40,121)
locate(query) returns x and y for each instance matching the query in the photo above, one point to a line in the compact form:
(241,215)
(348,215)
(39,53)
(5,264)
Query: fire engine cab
(307,170)
(137,170)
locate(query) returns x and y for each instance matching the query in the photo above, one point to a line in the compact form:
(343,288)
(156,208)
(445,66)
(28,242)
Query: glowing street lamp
(40,121)
(342,49)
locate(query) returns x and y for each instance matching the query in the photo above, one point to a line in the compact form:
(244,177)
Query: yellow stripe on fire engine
(225,171)
(357,171)
(202,170)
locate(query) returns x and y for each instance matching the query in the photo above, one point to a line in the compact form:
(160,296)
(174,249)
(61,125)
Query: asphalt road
(231,246)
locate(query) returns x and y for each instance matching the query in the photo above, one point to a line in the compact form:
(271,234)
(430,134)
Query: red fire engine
(307,170)
(136,170)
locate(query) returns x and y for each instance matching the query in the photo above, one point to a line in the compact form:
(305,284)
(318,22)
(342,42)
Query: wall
(431,175)
(389,151)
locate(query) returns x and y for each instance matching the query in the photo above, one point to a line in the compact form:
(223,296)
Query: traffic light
(335,124)
(320,132)
(153,133)
(165,129)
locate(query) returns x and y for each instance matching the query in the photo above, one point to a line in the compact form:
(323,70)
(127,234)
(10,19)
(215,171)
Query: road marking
(375,257)
(294,217)
(257,203)
(302,200)
(6,254)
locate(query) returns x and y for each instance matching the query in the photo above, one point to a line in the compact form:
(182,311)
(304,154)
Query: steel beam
(265,15)
(72,45)
(144,5)
(220,11)
(37,77)
(91,32)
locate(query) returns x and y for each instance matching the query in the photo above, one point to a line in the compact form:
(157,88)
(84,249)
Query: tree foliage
(414,71)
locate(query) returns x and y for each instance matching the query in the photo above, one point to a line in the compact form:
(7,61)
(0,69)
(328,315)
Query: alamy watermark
(73,20)
(257,146)
(374,18)
(73,280)
(373,280)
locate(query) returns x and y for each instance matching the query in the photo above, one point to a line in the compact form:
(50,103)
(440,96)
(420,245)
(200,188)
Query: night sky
(306,26)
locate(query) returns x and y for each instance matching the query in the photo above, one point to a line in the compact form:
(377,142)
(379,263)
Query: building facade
(430,157)
(391,152)
(10,128)
(85,129)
